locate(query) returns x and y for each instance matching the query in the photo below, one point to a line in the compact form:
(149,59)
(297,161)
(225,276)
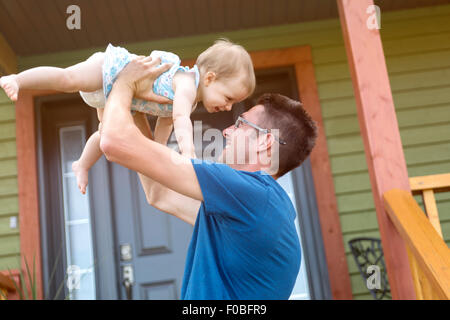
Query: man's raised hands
(140,74)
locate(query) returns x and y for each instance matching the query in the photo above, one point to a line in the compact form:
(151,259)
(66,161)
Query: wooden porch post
(8,59)
(379,129)
(27,177)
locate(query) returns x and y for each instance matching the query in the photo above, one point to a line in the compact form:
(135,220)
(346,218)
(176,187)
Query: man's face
(241,145)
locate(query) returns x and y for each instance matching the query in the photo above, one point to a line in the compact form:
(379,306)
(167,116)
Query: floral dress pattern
(116,58)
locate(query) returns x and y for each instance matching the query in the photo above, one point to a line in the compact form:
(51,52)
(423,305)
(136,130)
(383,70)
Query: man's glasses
(242,120)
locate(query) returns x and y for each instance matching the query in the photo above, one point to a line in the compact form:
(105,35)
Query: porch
(415,42)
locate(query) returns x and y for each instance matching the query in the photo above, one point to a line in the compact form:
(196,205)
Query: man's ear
(210,76)
(265,141)
(268,155)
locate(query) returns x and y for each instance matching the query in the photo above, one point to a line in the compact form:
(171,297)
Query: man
(244,244)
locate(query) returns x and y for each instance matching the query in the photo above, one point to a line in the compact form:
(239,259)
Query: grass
(28,291)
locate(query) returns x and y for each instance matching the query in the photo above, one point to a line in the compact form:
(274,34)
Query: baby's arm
(184,99)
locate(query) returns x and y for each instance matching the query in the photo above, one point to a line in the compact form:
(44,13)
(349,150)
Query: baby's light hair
(228,60)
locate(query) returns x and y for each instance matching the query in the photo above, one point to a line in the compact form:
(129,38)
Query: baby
(223,75)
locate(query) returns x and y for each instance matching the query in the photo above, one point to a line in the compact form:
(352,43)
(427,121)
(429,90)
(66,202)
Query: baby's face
(220,95)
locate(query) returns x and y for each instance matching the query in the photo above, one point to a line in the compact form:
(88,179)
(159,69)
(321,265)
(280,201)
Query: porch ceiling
(37,27)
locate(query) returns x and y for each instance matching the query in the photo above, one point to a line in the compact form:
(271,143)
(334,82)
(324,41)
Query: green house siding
(9,238)
(417,49)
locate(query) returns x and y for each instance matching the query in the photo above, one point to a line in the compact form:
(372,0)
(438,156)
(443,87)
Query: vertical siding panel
(9,238)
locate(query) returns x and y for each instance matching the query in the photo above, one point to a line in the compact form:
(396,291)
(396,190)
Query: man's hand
(116,116)
(143,70)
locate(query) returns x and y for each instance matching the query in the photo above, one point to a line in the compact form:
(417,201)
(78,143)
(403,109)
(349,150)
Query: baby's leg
(84,76)
(90,155)
(100,117)
(163,129)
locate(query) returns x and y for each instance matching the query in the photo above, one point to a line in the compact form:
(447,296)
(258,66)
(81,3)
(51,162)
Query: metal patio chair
(368,252)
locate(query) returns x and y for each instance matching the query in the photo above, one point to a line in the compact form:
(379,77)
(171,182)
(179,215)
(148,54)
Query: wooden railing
(427,186)
(429,255)
(6,284)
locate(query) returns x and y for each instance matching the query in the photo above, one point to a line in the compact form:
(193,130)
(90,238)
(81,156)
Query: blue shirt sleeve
(231,194)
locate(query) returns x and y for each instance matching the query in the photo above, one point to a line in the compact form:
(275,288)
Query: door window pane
(77,222)
(77,205)
(301,287)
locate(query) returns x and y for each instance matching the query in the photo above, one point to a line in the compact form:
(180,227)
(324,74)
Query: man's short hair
(295,126)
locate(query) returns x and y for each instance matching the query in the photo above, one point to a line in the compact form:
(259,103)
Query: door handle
(128,280)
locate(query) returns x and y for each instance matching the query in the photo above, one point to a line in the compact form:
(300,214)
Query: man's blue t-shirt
(244,244)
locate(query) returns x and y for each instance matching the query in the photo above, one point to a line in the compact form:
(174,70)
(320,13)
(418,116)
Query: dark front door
(68,219)
(152,245)
(93,242)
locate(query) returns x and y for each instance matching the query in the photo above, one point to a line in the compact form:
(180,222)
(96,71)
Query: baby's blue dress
(116,58)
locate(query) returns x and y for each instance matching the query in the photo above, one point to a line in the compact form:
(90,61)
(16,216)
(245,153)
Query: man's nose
(228,107)
(227,131)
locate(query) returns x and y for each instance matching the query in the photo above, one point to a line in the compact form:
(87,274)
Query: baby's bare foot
(82,176)
(10,85)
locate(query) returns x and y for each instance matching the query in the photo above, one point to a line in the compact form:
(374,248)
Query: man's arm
(160,197)
(169,201)
(122,142)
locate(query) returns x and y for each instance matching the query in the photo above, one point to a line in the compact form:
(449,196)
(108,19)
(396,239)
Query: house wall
(417,49)
(9,238)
